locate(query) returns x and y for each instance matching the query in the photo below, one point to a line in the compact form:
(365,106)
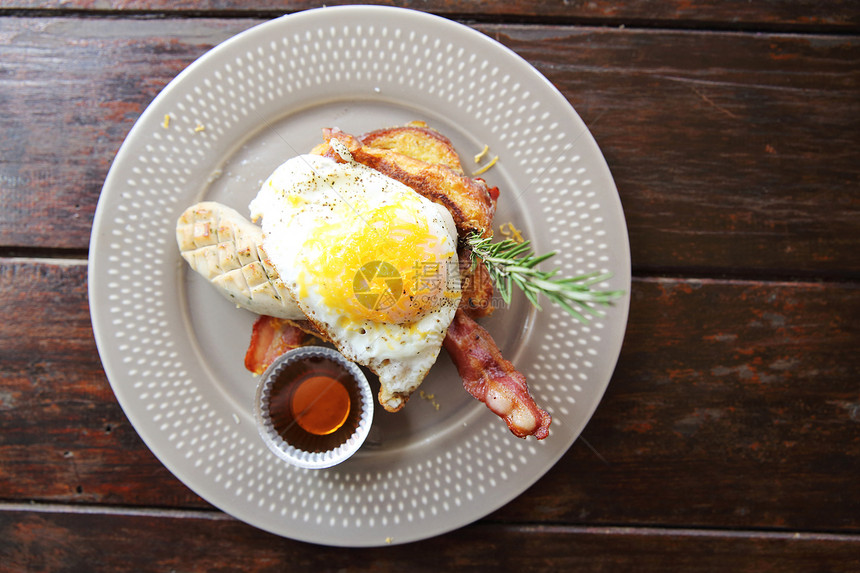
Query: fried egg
(369,261)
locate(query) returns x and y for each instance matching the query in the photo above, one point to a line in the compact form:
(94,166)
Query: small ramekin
(300,451)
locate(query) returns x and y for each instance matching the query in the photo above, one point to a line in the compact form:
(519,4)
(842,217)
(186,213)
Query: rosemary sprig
(512,263)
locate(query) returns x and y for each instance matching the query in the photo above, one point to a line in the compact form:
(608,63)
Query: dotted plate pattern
(172,348)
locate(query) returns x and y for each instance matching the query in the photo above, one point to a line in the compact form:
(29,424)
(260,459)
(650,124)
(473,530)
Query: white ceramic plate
(173,348)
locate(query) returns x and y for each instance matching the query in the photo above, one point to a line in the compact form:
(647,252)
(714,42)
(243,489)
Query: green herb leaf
(510,262)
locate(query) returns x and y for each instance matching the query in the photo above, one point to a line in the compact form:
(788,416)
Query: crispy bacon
(486,374)
(270,338)
(471,202)
(493,380)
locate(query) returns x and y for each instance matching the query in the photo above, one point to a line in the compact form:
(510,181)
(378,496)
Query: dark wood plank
(734,404)
(56,541)
(63,435)
(71,91)
(733,153)
(734,14)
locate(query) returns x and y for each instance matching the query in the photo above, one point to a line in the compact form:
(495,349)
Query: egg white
(311,205)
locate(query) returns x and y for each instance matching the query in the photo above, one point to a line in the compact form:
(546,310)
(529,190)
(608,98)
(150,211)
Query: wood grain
(726,148)
(46,540)
(78,87)
(735,14)
(64,436)
(733,404)
(729,437)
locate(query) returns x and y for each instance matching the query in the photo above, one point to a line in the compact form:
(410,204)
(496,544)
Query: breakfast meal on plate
(382,246)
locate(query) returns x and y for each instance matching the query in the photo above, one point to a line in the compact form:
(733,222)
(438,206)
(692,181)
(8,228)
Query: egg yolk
(387,267)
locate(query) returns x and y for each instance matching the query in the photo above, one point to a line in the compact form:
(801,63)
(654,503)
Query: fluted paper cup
(282,429)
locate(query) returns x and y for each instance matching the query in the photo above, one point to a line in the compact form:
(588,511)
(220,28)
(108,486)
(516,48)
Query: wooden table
(729,438)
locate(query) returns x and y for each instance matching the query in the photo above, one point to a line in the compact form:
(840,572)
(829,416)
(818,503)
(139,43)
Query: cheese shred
(166,123)
(486,167)
(508,230)
(430,398)
(481,155)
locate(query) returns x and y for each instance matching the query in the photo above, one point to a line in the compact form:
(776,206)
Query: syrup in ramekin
(314,404)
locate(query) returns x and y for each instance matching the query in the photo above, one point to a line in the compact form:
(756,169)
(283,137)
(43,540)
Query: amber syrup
(315,404)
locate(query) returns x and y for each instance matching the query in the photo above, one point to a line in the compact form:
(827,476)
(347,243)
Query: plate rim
(94,265)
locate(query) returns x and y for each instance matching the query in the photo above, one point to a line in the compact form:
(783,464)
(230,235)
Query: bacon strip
(486,374)
(270,338)
(493,380)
